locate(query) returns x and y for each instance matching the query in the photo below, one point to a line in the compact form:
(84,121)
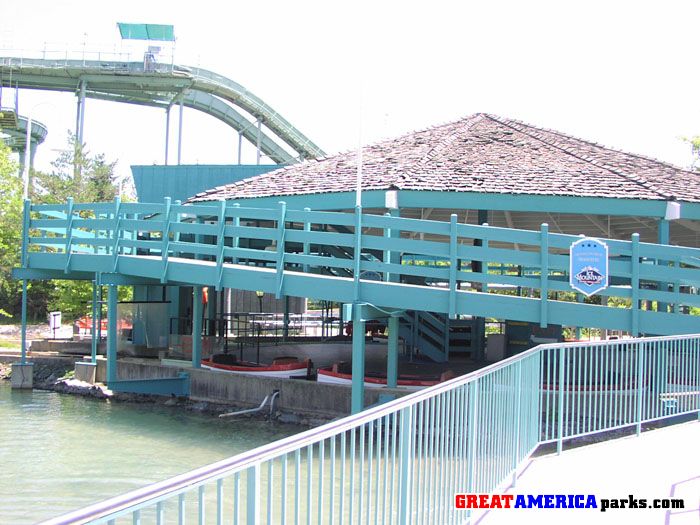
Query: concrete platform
(663,463)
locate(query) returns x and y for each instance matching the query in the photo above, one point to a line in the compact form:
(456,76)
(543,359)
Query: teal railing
(220,244)
(403,461)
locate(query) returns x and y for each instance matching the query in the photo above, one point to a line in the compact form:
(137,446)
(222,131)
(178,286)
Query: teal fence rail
(402,462)
(280,251)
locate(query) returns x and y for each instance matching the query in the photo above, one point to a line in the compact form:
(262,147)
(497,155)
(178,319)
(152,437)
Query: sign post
(588,266)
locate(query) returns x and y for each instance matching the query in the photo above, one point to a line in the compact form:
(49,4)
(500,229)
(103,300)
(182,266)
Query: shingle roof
(480,153)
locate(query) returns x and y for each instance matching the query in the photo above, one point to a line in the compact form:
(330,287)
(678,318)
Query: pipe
(275,393)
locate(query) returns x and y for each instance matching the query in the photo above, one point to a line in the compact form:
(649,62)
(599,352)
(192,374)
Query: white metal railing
(401,462)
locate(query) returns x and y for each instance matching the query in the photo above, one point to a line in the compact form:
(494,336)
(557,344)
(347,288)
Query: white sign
(55,320)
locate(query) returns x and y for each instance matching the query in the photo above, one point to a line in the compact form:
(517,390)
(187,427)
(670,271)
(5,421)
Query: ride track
(164,85)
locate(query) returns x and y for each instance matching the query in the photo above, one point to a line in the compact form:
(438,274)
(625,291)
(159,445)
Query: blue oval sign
(588,267)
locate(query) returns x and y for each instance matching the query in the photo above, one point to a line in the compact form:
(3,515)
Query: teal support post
(24,254)
(24,323)
(357,396)
(307,245)
(197,327)
(357,254)
(634,307)
(664,237)
(93,330)
(392,357)
(112,329)
(544,275)
(165,240)
(280,249)
(452,297)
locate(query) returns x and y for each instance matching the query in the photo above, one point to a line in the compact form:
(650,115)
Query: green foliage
(10,227)
(695,149)
(75,173)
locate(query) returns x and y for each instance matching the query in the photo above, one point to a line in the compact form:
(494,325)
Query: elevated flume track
(162,85)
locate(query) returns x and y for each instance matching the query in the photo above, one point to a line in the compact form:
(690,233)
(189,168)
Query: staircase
(433,335)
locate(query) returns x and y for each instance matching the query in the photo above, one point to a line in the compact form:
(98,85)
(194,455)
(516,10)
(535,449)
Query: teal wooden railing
(403,461)
(278,251)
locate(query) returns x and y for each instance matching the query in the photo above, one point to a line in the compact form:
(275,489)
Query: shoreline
(46,378)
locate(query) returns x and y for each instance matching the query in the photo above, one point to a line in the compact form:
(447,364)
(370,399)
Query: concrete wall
(297,396)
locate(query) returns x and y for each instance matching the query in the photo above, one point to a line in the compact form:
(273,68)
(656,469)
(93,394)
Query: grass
(9,345)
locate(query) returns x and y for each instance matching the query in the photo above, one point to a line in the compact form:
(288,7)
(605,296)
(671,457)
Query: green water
(61,452)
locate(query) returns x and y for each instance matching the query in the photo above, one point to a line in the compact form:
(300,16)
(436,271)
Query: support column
(258,141)
(179,135)
(392,356)
(81,130)
(664,237)
(23,372)
(93,330)
(112,291)
(196,326)
(479,332)
(358,361)
(167,133)
(24,321)
(285,329)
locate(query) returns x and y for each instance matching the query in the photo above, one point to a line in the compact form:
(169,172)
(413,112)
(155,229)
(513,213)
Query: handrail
(258,456)
(279,244)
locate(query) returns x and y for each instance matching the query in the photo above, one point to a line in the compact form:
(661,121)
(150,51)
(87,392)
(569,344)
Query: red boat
(340,375)
(281,367)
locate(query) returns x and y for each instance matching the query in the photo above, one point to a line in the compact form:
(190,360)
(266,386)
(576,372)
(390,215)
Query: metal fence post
(253,495)
(641,351)
(560,406)
(406,465)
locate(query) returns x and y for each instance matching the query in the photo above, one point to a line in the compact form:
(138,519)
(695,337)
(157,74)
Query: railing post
(473,417)
(165,240)
(116,233)
(280,249)
(253,495)
(452,299)
(26,219)
(406,465)
(112,333)
(357,255)
(544,274)
(196,326)
(307,229)
(221,244)
(518,408)
(635,285)
(641,354)
(236,225)
(357,392)
(69,232)
(560,406)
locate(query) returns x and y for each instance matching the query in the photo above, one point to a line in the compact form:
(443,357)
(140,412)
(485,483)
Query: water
(62,452)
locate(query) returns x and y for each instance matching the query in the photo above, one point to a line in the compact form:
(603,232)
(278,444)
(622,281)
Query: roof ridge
(518,125)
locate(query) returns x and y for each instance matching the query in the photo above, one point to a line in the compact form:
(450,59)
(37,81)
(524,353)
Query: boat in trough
(340,374)
(281,367)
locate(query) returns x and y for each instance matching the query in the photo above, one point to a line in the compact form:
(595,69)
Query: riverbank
(56,374)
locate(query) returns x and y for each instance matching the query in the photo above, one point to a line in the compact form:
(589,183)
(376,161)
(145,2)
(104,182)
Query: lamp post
(260,295)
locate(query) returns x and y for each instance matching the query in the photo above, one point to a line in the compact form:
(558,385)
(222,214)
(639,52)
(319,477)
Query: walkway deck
(662,463)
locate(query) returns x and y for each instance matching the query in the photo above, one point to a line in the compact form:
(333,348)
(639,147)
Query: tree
(76,174)
(695,149)
(10,229)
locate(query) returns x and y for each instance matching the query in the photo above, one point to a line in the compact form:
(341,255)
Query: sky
(623,74)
